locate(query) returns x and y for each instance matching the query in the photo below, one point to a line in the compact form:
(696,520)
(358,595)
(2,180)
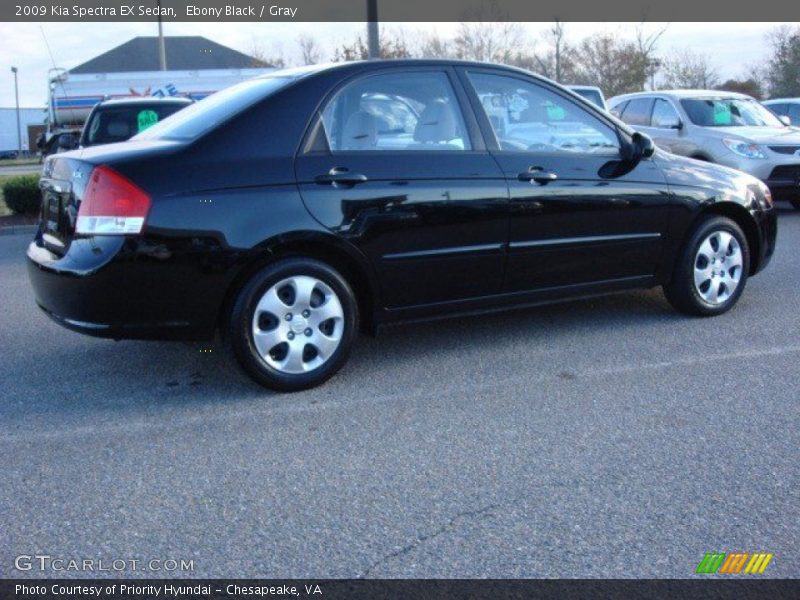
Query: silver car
(785,108)
(721,127)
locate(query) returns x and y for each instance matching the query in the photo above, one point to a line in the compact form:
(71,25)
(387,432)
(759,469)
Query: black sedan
(293,210)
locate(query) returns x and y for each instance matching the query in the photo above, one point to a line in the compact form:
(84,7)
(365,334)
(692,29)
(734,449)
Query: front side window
(637,112)
(395,111)
(728,112)
(528,117)
(664,115)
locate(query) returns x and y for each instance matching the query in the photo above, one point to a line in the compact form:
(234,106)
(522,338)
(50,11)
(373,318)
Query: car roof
(680,94)
(368,65)
(582,87)
(150,100)
(780,100)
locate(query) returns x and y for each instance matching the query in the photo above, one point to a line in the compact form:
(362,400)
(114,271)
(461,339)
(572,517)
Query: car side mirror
(677,125)
(785,120)
(641,146)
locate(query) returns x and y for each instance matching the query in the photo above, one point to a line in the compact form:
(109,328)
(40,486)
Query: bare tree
(488,41)
(556,60)
(392,45)
(432,45)
(310,51)
(646,45)
(488,36)
(263,58)
(615,65)
(685,69)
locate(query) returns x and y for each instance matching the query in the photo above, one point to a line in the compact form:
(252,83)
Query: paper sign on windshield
(146,118)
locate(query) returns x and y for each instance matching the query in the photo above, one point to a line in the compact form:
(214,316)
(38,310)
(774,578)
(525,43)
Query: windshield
(118,123)
(728,112)
(214,109)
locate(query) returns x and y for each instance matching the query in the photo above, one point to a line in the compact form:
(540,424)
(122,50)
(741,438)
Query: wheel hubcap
(298,324)
(718,267)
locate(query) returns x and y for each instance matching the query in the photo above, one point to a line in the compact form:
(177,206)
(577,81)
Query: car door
(666,128)
(396,165)
(579,213)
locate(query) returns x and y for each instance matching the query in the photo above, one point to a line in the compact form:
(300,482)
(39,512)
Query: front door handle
(341,176)
(537,174)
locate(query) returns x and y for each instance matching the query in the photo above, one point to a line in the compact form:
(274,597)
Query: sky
(730,47)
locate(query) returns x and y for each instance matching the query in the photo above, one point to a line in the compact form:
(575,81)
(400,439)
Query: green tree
(783,67)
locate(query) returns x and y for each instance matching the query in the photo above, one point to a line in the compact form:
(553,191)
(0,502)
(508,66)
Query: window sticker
(146,118)
(722,113)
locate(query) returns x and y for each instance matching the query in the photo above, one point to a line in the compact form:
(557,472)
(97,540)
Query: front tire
(796,204)
(712,268)
(293,324)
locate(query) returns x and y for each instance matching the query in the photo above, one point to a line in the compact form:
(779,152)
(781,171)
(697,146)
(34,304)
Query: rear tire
(796,204)
(711,271)
(293,324)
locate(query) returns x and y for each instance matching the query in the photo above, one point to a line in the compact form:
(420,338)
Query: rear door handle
(340,176)
(537,174)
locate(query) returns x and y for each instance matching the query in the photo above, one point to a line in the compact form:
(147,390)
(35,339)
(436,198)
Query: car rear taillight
(111,205)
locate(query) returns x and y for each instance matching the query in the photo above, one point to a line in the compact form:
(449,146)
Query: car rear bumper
(116,287)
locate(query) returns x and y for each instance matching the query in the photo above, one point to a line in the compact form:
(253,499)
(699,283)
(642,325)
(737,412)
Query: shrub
(21,194)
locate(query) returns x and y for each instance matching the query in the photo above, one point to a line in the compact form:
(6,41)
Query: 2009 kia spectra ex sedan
(293,209)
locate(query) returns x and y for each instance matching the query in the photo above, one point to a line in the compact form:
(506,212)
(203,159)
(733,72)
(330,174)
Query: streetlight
(19,130)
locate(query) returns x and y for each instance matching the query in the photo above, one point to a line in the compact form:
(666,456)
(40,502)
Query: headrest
(360,131)
(118,129)
(437,123)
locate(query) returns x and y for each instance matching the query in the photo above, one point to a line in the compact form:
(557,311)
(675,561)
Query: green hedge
(21,194)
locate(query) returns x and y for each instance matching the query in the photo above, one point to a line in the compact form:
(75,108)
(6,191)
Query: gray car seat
(360,131)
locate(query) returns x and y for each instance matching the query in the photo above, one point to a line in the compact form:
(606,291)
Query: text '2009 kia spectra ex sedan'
(294,209)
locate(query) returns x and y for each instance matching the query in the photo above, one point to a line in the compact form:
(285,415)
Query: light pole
(162,53)
(373,44)
(19,130)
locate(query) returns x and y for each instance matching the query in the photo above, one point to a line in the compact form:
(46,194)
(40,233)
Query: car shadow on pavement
(74,374)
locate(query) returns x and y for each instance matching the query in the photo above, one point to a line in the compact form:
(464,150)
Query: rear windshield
(119,123)
(206,114)
(592,96)
(728,112)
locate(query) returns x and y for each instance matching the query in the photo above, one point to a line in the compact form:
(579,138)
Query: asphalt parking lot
(608,437)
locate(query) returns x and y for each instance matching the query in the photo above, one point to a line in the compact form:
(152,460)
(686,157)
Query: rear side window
(399,111)
(638,112)
(209,112)
(592,96)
